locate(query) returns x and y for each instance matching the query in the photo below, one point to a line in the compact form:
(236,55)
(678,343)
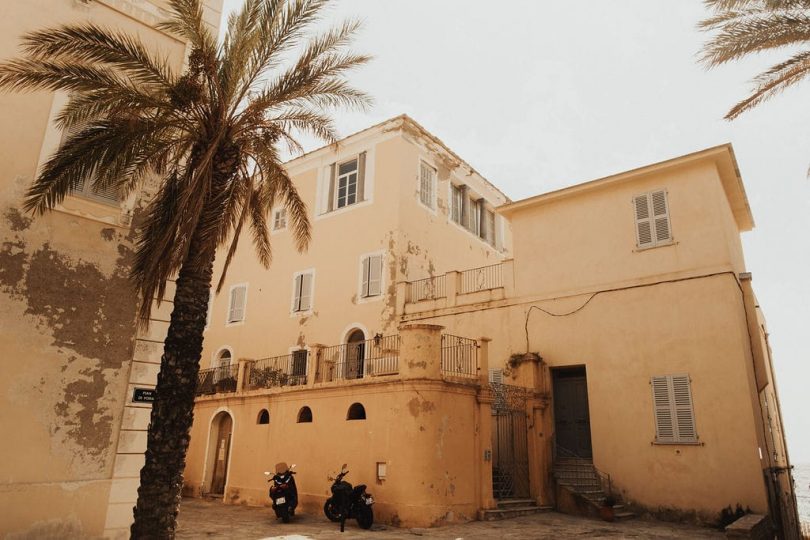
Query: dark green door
(571,418)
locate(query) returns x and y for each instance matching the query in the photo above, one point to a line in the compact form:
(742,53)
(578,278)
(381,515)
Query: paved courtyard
(213,520)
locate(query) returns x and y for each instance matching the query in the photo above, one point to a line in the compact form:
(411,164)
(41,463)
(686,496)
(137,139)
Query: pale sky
(539,95)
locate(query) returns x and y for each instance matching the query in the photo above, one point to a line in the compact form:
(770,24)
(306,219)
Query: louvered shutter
(374,275)
(80,186)
(644,233)
(305,299)
(496,375)
(427,180)
(236,312)
(684,412)
(365,270)
(664,422)
(361,177)
(660,214)
(330,202)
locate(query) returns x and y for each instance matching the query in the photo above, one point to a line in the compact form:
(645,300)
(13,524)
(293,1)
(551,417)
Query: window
(489,227)
(371,284)
(84,187)
(302,291)
(304,415)
(264,417)
(346,186)
(236,308)
(652,219)
(356,412)
(456,203)
(224,359)
(280,219)
(674,414)
(427,185)
(496,375)
(298,369)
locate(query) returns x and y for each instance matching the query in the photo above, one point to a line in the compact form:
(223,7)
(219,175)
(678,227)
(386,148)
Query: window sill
(294,314)
(343,210)
(662,245)
(370,299)
(228,324)
(682,443)
(93,210)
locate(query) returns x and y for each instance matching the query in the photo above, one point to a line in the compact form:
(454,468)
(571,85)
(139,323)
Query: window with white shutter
(496,375)
(674,412)
(236,306)
(652,219)
(427,185)
(456,203)
(85,187)
(371,284)
(280,219)
(302,291)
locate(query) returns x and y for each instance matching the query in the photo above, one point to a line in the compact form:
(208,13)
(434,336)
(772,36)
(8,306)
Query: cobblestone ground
(213,520)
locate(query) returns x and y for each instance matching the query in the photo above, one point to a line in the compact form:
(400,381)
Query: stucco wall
(423,430)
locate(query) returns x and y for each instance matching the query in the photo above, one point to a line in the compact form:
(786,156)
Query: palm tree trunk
(173,408)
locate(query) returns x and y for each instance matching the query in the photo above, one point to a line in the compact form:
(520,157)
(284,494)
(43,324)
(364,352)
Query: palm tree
(212,137)
(745,27)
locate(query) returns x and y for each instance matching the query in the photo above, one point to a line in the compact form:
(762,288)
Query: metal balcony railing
(277,371)
(217,380)
(459,356)
(481,279)
(426,289)
(376,356)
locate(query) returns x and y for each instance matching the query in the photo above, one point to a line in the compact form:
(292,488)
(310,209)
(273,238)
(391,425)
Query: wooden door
(355,355)
(221,453)
(571,418)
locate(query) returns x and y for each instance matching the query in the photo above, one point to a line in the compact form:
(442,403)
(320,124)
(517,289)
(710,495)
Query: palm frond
(774,81)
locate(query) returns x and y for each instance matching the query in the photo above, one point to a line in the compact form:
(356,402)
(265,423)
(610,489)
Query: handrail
(376,356)
(217,380)
(602,477)
(459,356)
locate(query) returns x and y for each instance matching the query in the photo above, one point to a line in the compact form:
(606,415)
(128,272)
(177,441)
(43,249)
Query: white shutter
(305,300)
(365,273)
(210,307)
(643,221)
(297,293)
(674,412)
(684,412)
(660,213)
(664,425)
(427,177)
(496,375)
(236,311)
(374,275)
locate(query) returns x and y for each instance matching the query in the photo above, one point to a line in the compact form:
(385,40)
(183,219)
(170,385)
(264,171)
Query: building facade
(604,341)
(75,438)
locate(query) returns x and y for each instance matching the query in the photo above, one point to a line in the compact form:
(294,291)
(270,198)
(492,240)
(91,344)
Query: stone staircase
(579,476)
(511,508)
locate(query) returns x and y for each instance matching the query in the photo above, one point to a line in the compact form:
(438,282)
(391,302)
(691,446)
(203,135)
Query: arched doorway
(219,452)
(355,354)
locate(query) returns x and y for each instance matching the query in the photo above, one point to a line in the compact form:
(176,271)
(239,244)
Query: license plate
(369,500)
(281,500)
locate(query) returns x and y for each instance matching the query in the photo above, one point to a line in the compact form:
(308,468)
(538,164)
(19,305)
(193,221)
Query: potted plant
(606,510)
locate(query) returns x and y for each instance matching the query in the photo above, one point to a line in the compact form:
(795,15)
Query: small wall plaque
(143,395)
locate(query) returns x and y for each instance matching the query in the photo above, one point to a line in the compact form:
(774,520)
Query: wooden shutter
(236,312)
(365,270)
(660,214)
(330,202)
(684,412)
(305,292)
(455,203)
(644,233)
(496,375)
(374,275)
(361,177)
(674,411)
(427,176)
(664,422)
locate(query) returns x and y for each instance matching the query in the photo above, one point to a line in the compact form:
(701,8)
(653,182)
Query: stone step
(511,503)
(513,512)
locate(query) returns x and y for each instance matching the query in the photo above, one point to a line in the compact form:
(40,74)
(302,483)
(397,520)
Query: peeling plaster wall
(67,310)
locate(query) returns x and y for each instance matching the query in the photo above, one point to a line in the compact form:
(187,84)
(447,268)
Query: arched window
(304,415)
(356,412)
(264,417)
(224,358)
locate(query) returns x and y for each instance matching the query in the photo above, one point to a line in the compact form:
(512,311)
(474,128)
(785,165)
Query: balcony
(438,356)
(456,288)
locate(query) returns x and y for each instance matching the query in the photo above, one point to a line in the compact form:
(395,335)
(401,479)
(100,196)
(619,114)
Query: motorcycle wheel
(331,511)
(285,515)
(365,517)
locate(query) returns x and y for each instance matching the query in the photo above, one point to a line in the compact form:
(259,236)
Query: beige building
(74,438)
(600,339)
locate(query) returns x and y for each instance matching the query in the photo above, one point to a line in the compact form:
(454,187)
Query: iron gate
(510,447)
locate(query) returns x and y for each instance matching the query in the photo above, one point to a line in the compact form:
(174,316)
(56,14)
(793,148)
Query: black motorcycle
(349,502)
(283,492)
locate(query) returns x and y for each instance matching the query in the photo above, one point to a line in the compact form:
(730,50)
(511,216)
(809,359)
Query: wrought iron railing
(582,476)
(217,380)
(459,356)
(425,289)
(277,371)
(376,356)
(481,279)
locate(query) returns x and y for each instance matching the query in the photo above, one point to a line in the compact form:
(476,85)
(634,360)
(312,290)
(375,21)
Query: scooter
(283,492)
(349,502)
